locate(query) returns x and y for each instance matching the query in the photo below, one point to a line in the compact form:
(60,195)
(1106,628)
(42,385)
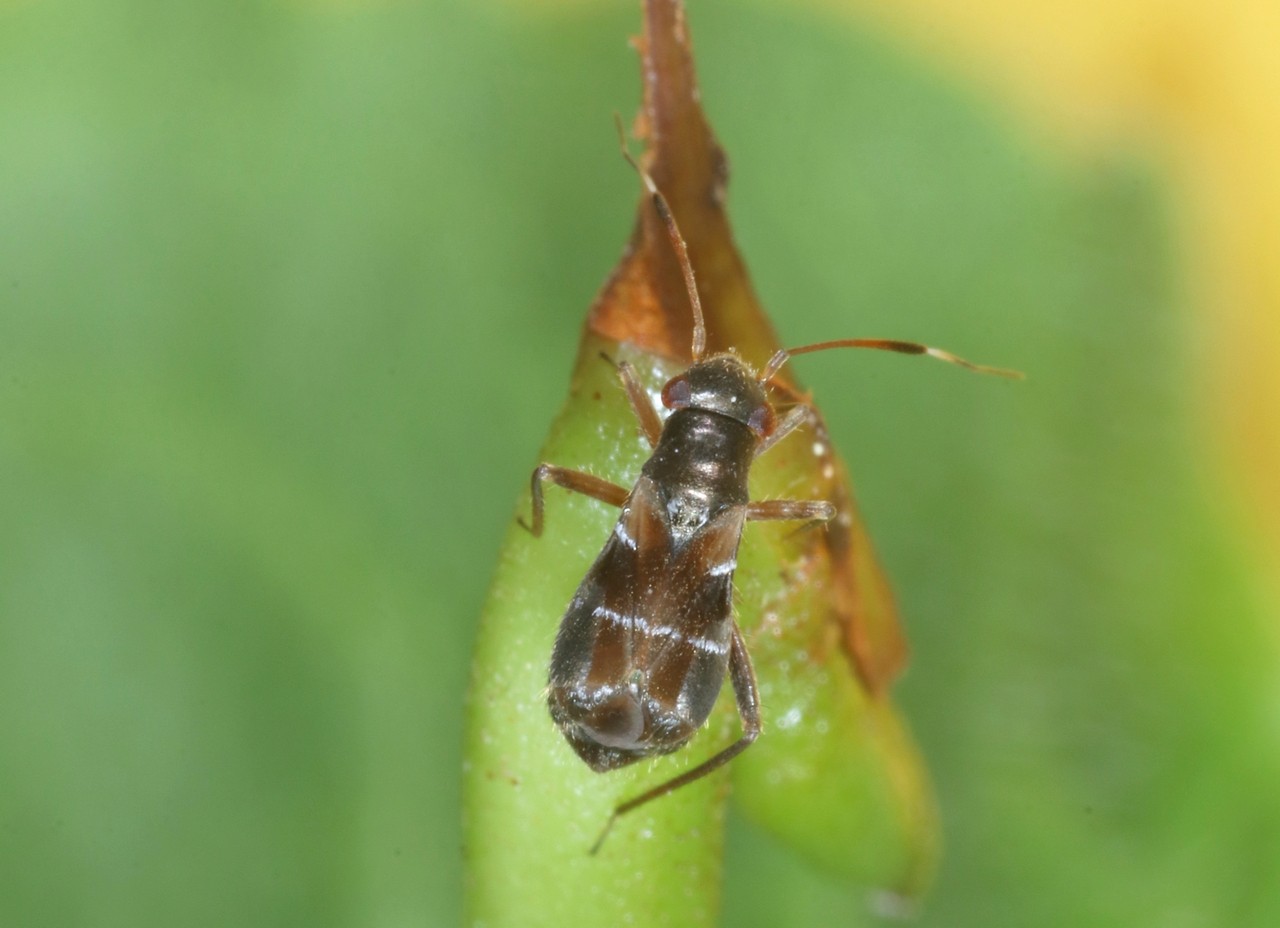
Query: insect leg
(641,405)
(575,480)
(786,510)
(743,677)
(795,417)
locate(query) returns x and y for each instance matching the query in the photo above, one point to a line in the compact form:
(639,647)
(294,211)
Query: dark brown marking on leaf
(863,602)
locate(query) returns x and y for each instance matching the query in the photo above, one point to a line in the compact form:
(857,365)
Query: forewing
(695,605)
(600,636)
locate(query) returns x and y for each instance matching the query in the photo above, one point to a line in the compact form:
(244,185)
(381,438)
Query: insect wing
(691,614)
(597,640)
(643,648)
(598,645)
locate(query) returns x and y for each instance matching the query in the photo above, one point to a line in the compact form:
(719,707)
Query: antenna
(677,243)
(883,344)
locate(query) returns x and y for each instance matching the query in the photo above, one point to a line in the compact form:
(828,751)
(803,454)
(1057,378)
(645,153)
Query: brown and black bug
(647,640)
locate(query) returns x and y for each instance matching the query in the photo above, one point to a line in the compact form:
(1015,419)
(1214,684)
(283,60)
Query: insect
(649,637)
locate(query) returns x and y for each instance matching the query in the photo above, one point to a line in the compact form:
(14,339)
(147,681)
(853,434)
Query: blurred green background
(288,294)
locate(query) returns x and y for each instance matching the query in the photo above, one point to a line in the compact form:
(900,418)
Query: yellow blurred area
(1197,84)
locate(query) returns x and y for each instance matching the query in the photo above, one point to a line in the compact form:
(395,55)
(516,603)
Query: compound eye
(762,421)
(677,394)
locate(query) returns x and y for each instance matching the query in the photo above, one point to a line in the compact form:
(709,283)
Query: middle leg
(791,510)
(576,480)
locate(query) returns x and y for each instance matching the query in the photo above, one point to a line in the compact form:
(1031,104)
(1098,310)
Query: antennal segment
(884,344)
(677,242)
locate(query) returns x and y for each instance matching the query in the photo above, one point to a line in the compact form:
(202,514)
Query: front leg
(576,480)
(641,405)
